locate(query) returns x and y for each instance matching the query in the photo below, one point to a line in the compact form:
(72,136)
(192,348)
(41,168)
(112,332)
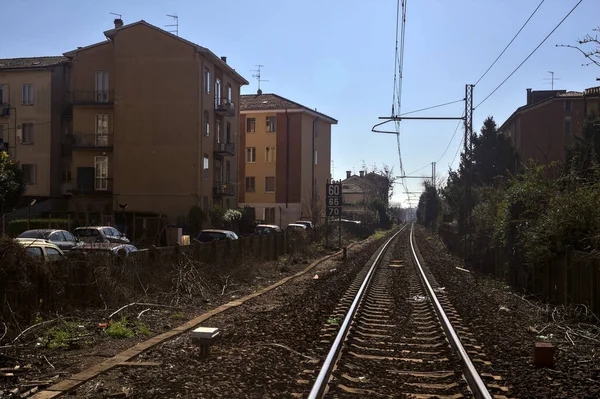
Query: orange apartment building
(31,104)
(545,126)
(152,123)
(284,158)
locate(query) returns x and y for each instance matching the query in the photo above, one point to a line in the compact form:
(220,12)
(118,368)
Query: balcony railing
(224,149)
(96,185)
(92,141)
(223,189)
(96,97)
(225,107)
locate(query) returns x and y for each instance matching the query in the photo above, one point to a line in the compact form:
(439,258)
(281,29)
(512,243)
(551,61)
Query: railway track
(395,334)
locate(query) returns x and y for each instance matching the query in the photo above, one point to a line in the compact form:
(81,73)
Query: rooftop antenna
(552,79)
(257,76)
(118,15)
(176,24)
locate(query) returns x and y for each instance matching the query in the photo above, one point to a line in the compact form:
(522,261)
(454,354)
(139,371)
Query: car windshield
(86,233)
(33,234)
(264,229)
(211,235)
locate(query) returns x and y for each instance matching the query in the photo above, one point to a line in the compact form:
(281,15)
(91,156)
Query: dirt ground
(508,325)
(265,344)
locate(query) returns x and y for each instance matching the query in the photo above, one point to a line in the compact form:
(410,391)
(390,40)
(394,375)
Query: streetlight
(29,213)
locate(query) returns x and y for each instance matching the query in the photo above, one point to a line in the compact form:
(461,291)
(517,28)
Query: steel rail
(318,388)
(472,376)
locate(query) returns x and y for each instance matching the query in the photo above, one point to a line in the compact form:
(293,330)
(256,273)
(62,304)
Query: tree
(589,46)
(427,210)
(12,185)
(585,150)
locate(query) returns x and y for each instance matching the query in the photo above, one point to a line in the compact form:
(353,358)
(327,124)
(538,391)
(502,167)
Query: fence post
(565,275)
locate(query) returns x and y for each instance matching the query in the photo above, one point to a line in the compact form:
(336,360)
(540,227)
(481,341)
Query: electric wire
(457,151)
(530,54)
(509,43)
(432,107)
(451,139)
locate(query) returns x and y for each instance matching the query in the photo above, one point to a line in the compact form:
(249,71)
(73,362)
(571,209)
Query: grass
(119,329)
(178,316)
(142,328)
(60,336)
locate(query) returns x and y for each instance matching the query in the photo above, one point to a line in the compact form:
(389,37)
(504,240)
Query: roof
(215,231)
(32,62)
(571,94)
(271,102)
(110,34)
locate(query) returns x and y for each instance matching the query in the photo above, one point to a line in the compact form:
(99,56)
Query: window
(250,184)
(56,236)
(102,130)
(227,171)
(228,133)
(101,173)
(316,156)
(206,124)
(228,92)
(207,80)
(250,125)
(205,203)
(35,251)
(270,154)
(28,173)
(205,166)
(217,92)
(269,184)
(567,125)
(1,94)
(53,254)
(271,123)
(68,236)
(218,132)
(250,154)
(269,215)
(102,86)
(27,95)
(568,106)
(27,133)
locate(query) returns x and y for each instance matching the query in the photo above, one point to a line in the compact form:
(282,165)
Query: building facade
(152,124)
(284,158)
(31,105)
(545,126)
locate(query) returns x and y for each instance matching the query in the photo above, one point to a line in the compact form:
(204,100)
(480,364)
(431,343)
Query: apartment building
(153,124)
(31,104)
(545,126)
(284,158)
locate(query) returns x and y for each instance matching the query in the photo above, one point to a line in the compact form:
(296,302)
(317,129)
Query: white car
(42,249)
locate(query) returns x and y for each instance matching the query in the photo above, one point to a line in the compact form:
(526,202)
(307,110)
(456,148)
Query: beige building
(31,106)
(153,124)
(284,158)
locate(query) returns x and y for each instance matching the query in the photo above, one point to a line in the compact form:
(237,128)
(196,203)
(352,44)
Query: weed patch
(119,329)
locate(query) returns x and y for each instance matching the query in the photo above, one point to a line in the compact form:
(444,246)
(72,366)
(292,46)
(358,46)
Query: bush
(16,227)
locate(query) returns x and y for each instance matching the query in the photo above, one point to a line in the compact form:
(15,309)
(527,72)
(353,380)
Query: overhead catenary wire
(451,139)
(432,107)
(509,43)
(530,54)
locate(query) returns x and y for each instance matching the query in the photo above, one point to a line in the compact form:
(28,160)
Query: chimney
(348,174)
(259,92)
(528,96)
(118,23)
(224,59)
(362,173)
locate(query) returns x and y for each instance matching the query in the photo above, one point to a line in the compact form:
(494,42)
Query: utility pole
(468,151)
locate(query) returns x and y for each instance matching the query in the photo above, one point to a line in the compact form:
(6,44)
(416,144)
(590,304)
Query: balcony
(98,186)
(4,110)
(223,189)
(225,149)
(79,140)
(225,108)
(103,97)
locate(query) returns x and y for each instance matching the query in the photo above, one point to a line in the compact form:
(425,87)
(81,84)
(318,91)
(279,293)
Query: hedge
(17,226)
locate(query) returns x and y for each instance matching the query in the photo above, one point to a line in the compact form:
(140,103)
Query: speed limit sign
(334,200)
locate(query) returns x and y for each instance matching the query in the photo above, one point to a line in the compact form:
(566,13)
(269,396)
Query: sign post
(333,209)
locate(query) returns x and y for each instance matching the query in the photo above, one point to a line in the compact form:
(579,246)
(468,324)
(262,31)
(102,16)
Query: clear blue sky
(338,56)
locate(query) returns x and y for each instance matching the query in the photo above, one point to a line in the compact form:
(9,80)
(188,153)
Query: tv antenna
(118,15)
(257,76)
(552,79)
(176,24)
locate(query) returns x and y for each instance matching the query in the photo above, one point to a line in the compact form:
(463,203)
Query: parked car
(307,223)
(61,238)
(262,229)
(42,249)
(210,235)
(96,234)
(112,248)
(296,227)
